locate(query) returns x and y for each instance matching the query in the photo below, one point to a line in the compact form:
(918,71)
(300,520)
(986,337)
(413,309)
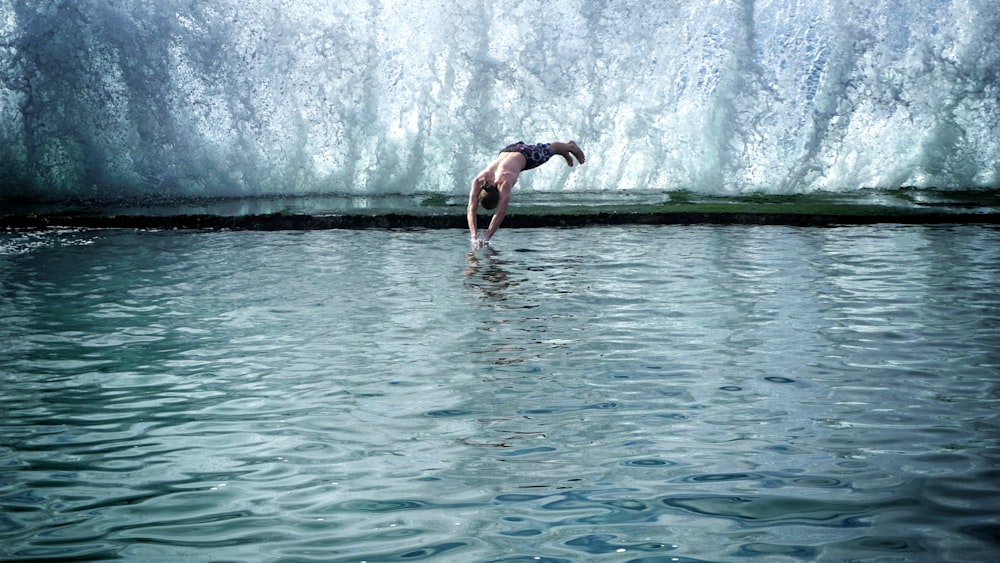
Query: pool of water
(612,393)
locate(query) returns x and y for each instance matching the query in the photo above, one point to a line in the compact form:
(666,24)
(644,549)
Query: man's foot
(576,151)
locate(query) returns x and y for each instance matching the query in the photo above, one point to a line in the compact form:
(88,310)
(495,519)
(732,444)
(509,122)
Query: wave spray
(115,99)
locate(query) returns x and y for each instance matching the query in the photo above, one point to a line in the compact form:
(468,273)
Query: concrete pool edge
(829,215)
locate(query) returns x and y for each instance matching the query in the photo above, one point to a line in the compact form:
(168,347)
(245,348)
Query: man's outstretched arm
(470,214)
(501,211)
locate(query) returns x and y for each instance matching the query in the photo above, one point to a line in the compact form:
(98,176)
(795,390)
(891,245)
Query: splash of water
(118,98)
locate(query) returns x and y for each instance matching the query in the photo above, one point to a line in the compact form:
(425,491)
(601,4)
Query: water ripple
(723,393)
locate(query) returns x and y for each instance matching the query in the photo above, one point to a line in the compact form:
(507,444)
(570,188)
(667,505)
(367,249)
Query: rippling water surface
(619,394)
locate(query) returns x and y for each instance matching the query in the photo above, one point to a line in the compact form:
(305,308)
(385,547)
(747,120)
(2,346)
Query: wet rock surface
(292,222)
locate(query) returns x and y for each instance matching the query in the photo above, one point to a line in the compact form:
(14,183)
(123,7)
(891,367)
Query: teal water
(612,394)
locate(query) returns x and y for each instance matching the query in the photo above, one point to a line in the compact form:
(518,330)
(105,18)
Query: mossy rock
(436,200)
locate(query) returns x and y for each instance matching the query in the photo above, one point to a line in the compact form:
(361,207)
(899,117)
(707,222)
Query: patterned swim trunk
(536,155)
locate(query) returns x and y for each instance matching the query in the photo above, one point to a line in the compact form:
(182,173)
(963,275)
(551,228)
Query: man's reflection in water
(486,275)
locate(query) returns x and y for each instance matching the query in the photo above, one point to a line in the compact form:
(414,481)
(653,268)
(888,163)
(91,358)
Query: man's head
(489,197)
